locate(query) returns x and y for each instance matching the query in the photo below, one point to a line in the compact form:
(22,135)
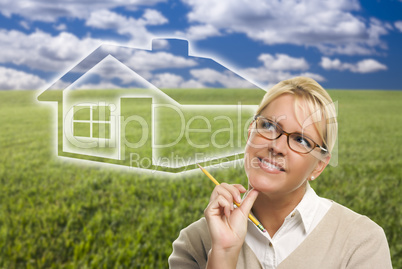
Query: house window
(91,121)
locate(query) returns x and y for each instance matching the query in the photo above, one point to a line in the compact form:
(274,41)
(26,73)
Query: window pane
(82,129)
(101,113)
(82,113)
(101,130)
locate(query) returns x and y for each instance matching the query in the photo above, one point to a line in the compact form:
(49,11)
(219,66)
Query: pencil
(254,220)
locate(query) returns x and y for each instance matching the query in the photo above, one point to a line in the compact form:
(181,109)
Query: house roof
(168,59)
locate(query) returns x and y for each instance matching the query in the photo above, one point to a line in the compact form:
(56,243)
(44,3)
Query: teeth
(270,165)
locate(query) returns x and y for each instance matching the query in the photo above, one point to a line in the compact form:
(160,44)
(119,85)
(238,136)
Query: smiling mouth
(271,165)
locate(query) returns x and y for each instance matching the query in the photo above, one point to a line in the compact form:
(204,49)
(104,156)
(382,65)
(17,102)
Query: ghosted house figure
(152,109)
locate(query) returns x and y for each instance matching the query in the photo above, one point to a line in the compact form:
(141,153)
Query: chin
(263,182)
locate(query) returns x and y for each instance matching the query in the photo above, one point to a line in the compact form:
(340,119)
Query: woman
(290,143)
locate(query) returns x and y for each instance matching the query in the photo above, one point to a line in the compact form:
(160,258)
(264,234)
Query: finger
(240,187)
(227,207)
(248,202)
(222,191)
(226,190)
(233,190)
(218,206)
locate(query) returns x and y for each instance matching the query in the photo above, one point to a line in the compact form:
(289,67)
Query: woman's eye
(303,141)
(269,126)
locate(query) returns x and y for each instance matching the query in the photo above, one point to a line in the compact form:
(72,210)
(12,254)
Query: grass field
(58,213)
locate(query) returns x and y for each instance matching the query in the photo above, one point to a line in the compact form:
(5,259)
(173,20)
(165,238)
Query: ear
(320,167)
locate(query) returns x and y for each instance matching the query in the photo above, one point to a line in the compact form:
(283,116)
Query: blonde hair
(318,102)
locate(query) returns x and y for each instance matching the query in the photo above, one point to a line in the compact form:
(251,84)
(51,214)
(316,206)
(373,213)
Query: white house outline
(154,114)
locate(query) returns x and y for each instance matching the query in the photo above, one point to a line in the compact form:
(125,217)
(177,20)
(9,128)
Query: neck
(271,211)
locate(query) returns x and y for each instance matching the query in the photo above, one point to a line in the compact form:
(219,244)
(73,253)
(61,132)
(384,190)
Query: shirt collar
(307,208)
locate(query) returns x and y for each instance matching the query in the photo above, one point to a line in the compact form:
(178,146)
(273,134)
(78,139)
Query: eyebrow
(280,125)
(276,122)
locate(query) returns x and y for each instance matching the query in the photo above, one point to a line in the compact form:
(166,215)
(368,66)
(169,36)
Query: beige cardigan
(343,239)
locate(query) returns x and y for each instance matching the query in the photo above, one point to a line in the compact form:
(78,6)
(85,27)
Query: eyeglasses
(296,141)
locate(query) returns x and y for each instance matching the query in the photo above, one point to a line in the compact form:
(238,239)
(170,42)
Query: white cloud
(167,80)
(283,62)
(198,32)
(314,76)
(398,25)
(50,11)
(57,53)
(226,79)
(109,69)
(11,79)
(192,84)
(363,66)
(276,68)
(134,28)
(159,44)
(149,61)
(266,78)
(153,17)
(46,52)
(60,27)
(25,25)
(174,81)
(101,85)
(331,26)
(42,51)
(369,66)
(108,73)
(336,64)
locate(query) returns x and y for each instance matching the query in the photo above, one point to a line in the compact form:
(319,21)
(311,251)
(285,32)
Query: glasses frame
(281,132)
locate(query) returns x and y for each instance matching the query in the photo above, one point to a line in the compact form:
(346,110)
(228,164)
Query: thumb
(248,202)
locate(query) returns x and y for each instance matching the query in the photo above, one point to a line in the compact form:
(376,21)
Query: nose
(279,146)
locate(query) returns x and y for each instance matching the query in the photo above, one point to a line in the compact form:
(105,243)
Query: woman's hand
(227,224)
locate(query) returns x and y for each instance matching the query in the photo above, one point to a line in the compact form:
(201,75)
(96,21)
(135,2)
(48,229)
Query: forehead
(284,108)
(293,114)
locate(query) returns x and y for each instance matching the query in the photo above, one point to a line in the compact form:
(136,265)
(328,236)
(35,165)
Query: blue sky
(344,44)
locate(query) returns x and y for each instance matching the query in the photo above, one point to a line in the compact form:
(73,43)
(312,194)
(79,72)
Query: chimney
(171,45)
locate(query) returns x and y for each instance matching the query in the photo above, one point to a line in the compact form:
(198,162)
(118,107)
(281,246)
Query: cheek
(255,143)
(247,159)
(301,166)
(250,159)
(249,150)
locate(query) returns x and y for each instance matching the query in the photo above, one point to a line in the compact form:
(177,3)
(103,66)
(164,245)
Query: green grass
(58,213)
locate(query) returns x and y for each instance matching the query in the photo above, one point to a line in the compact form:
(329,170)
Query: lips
(270,165)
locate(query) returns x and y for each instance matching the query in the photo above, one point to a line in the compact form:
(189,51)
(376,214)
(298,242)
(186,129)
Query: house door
(136,131)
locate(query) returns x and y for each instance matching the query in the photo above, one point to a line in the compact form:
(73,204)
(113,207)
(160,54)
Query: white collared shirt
(296,227)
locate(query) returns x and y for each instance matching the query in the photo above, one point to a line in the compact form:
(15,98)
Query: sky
(343,44)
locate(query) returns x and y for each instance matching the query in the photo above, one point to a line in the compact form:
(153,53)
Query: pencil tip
(199,166)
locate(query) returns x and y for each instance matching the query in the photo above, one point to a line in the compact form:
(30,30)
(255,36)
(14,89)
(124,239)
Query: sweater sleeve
(370,249)
(190,249)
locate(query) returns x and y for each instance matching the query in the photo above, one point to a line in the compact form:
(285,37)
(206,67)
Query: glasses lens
(300,143)
(267,128)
